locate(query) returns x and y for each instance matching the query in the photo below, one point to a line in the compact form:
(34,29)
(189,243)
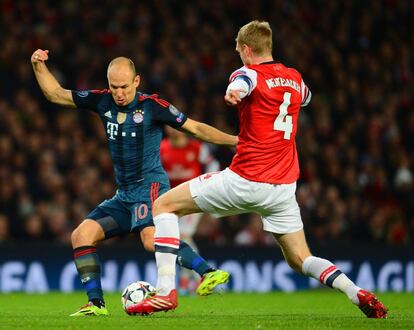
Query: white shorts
(226,193)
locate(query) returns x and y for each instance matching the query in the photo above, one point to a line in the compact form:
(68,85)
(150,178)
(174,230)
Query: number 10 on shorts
(141,212)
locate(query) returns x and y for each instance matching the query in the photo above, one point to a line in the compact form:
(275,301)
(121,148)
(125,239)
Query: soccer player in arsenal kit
(261,178)
(133,123)
(183,159)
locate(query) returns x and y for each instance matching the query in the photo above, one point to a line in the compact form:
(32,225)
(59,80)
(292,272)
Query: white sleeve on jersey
(306,94)
(206,158)
(244,79)
(239,84)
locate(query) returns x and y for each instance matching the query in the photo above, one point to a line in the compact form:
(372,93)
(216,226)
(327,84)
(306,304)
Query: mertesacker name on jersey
(278,82)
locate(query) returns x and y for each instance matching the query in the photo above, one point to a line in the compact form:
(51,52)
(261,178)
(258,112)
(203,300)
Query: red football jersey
(268,117)
(187,162)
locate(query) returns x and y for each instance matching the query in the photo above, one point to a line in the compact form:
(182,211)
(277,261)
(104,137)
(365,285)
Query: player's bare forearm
(209,134)
(48,83)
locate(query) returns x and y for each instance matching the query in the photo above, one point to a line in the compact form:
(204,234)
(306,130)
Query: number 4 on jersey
(283,121)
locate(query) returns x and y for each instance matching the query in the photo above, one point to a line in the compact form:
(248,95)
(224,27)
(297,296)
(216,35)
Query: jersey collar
(270,62)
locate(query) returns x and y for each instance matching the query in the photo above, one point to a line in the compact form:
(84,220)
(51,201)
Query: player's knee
(76,237)
(160,206)
(83,236)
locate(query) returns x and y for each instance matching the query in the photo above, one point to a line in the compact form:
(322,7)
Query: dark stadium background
(355,140)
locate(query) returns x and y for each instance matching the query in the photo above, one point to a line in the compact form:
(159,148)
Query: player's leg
(167,235)
(166,244)
(142,221)
(107,220)
(188,280)
(210,277)
(285,222)
(84,240)
(298,256)
(166,210)
(187,256)
(294,248)
(283,219)
(178,202)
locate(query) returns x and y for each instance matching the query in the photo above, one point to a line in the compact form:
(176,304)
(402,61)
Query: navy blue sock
(190,259)
(89,269)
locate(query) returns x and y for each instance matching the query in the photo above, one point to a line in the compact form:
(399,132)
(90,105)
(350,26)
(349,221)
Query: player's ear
(137,80)
(248,50)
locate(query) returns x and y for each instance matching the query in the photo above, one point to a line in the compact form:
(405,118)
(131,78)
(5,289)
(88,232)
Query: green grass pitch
(301,310)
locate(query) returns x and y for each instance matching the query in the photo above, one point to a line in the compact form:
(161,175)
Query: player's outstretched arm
(208,133)
(48,83)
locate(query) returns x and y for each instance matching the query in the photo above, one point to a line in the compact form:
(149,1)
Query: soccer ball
(135,293)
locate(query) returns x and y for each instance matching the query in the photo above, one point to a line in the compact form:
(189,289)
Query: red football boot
(371,306)
(155,304)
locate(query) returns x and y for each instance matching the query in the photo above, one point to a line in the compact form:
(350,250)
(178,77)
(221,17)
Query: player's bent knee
(76,237)
(80,238)
(156,206)
(85,234)
(161,206)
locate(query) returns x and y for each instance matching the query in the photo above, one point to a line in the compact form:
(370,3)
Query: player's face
(122,84)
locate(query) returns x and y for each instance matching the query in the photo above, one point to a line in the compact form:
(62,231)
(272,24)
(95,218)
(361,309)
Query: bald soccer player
(133,122)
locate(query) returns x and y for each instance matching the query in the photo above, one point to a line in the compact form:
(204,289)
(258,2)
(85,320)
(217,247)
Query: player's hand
(40,56)
(232,97)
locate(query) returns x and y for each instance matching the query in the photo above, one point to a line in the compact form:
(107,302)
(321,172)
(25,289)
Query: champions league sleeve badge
(82,93)
(173,110)
(138,116)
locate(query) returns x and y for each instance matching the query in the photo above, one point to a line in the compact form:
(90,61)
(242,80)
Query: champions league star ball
(135,293)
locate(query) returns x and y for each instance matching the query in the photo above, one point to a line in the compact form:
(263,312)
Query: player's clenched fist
(233,97)
(40,55)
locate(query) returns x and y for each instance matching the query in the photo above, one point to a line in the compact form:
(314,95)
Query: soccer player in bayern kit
(133,123)
(183,159)
(261,178)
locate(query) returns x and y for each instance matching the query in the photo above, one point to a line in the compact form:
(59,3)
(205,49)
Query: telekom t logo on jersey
(112,130)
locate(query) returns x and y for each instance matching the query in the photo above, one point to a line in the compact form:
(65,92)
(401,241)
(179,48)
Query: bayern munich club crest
(138,116)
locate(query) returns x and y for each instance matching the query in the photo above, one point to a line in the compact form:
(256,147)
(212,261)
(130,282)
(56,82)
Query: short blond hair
(257,35)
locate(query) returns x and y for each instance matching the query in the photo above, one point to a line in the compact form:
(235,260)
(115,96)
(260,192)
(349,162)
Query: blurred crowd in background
(355,140)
